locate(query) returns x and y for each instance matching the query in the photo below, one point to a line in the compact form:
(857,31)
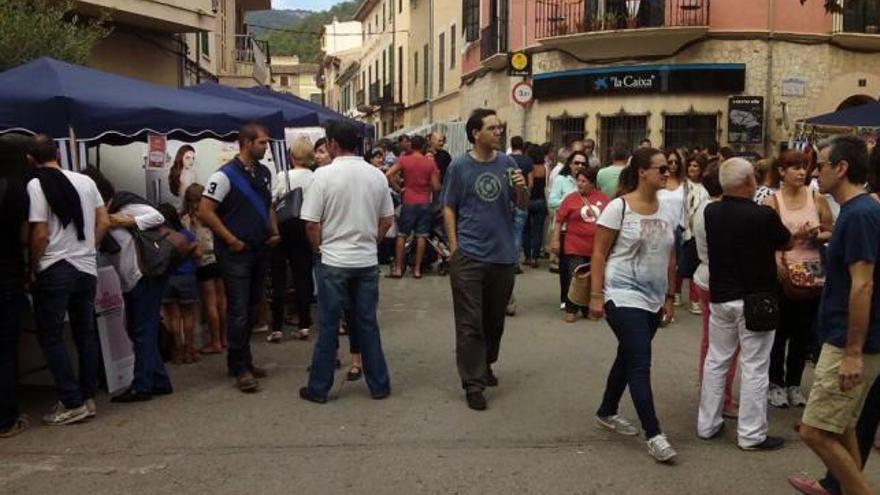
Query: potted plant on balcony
(632,13)
(871,29)
(593,23)
(612,21)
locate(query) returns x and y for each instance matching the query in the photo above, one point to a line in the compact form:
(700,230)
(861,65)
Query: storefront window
(623,130)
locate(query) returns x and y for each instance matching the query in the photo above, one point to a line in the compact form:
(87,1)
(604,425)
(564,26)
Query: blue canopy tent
(325,114)
(860,116)
(294,114)
(81,106)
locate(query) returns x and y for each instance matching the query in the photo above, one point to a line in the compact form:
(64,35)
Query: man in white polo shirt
(348,210)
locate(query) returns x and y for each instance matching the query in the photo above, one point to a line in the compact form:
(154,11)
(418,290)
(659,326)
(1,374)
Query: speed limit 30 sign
(522,93)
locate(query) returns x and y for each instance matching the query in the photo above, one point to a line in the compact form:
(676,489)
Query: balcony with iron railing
(857,26)
(493,44)
(609,29)
(251,58)
(375,95)
(360,99)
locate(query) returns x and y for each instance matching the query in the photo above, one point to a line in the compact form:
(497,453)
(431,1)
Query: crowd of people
(779,257)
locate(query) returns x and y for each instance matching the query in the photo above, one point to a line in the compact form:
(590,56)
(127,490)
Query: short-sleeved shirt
(238,213)
(608,179)
(524,163)
(442,158)
(580,215)
(856,237)
(348,197)
(13,214)
(481,196)
(742,239)
(637,265)
(63,242)
(187,266)
(417,170)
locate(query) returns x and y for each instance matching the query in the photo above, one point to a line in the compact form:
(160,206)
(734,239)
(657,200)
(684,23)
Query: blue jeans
(12,303)
(634,329)
(61,289)
(142,311)
(533,235)
(244,276)
(519,225)
(866,430)
(337,288)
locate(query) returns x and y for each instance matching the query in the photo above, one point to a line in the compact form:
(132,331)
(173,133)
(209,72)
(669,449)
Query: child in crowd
(181,294)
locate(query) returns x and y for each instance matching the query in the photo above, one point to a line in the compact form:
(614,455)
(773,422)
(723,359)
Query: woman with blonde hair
(212,292)
(294,248)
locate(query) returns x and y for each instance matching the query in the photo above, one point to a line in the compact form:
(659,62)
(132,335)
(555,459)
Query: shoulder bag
(290,205)
(579,288)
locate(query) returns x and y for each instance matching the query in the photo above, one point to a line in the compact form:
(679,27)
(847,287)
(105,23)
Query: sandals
(354,373)
(22,423)
(211,349)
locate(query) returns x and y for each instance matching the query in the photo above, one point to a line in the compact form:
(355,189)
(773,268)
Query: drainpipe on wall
(525,40)
(431,61)
(768,91)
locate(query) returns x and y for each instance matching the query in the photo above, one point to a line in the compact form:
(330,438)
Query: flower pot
(632,23)
(871,29)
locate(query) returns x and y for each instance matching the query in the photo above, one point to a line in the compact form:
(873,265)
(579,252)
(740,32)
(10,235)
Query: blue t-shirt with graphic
(856,237)
(188,265)
(481,196)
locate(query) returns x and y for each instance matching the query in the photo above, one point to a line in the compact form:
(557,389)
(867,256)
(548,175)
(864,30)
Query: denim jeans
(244,276)
(338,287)
(634,329)
(866,430)
(12,303)
(61,289)
(142,311)
(519,226)
(533,235)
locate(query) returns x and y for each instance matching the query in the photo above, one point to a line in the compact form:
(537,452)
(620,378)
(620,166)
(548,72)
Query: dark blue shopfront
(641,79)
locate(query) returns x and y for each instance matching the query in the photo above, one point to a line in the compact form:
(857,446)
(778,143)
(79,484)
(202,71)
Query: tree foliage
(39,28)
(303,37)
(831,5)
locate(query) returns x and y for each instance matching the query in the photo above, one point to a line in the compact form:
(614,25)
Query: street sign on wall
(519,64)
(522,93)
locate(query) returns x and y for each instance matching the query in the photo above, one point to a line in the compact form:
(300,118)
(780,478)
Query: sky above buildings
(304,4)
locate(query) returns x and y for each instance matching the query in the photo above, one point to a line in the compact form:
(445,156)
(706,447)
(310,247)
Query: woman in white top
(673,196)
(701,281)
(695,194)
(633,277)
(294,248)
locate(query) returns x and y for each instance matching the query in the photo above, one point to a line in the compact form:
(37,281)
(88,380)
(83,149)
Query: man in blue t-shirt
(479,193)
(849,322)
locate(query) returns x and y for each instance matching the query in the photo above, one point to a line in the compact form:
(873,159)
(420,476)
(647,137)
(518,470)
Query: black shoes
(476,401)
(305,394)
(491,379)
(769,443)
(131,395)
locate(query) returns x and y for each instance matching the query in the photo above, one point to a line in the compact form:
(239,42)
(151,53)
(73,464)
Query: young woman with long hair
(633,282)
(182,172)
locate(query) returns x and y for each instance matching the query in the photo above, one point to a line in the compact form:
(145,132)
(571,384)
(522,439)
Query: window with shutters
(471,13)
(627,131)
(563,130)
(426,81)
(452,55)
(689,130)
(441,55)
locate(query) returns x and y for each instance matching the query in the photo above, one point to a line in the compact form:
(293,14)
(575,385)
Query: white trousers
(727,330)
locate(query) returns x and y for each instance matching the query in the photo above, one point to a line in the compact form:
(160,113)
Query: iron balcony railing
(493,39)
(360,98)
(565,17)
(858,17)
(388,94)
(375,96)
(249,50)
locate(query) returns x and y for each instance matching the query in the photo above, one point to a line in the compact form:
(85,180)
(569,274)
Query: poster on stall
(116,347)
(745,120)
(157,146)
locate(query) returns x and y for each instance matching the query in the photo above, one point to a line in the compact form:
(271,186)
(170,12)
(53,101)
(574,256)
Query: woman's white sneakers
(777,396)
(660,448)
(617,424)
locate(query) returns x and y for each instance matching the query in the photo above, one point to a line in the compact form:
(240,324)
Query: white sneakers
(660,448)
(777,396)
(695,309)
(796,397)
(61,415)
(617,424)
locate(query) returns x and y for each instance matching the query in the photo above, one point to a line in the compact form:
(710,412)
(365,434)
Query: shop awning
(57,98)
(861,116)
(325,114)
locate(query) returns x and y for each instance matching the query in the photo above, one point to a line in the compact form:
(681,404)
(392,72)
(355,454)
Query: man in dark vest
(236,206)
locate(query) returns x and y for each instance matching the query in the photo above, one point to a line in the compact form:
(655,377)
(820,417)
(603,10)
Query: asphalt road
(536,437)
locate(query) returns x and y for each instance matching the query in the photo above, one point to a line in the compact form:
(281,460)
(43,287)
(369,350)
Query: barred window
(689,130)
(621,130)
(563,130)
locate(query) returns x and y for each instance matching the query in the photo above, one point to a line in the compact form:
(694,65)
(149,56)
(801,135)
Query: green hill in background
(306,45)
(272,19)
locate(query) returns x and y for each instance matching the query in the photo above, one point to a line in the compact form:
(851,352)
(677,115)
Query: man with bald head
(436,141)
(742,238)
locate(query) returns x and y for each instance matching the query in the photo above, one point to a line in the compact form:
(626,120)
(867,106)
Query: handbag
(761,311)
(290,204)
(801,280)
(579,288)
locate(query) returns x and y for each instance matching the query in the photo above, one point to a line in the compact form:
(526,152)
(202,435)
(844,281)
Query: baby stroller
(436,250)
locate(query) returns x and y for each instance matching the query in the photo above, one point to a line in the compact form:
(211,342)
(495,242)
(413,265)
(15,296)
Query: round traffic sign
(519,61)
(522,93)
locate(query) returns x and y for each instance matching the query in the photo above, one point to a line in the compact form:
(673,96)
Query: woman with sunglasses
(675,196)
(563,185)
(633,277)
(696,194)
